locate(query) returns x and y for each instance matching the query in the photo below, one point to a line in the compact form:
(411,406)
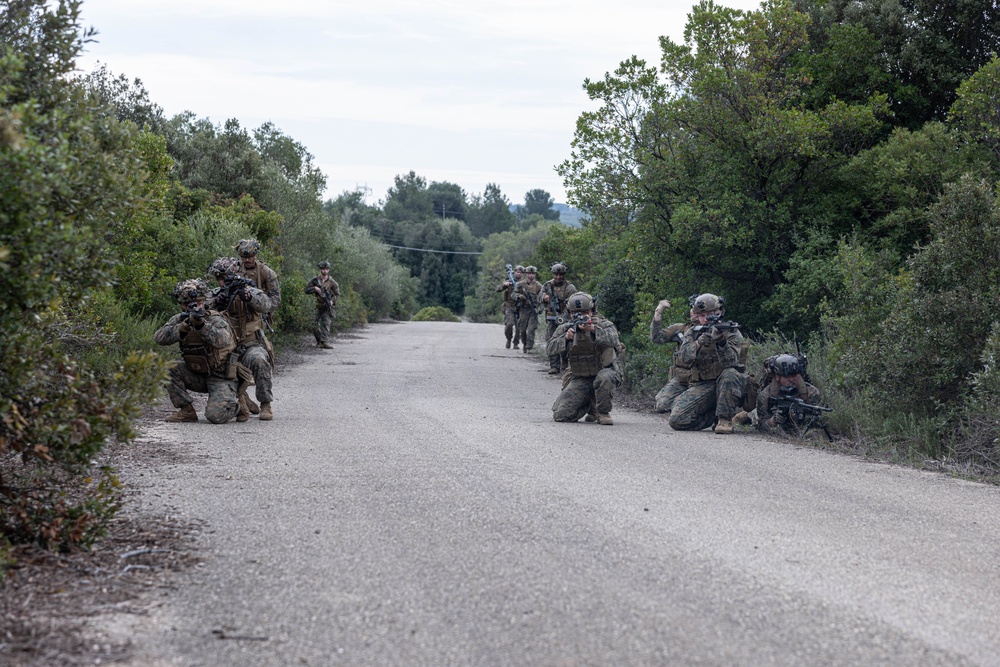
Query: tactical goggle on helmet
(247,247)
(190,290)
(223,265)
(580,302)
(786,364)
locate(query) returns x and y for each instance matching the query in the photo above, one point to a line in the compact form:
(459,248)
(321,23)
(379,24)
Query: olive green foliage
(828,168)
(434,314)
(69,175)
(489,213)
(439,250)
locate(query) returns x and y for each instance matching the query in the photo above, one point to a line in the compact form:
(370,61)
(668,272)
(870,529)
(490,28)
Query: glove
(718,335)
(705,340)
(780,418)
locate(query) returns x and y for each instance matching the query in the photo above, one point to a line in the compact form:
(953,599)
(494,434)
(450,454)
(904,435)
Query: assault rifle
(804,415)
(510,277)
(714,322)
(233,286)
(327,298)
(555,307)
(577,319)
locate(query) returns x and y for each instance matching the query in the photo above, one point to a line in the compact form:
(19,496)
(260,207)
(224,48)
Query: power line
(442,252)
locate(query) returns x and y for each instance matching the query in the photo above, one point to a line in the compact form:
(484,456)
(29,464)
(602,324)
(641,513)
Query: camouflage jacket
(605,338)
(508,293)
(658,334)
(560,292)
(530,294)
(214,339)
(265,279)
(806,392)
(694,363)
(243,316)
(331,286)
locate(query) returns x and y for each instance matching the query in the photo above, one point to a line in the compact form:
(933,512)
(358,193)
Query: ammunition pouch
(198,363)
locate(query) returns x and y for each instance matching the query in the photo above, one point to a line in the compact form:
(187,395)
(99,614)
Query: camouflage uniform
(804,390)
(245,318)
(510,311)
(203,370)
(594,370)
(324,315)
(265,279)
(527,321)
(555,309)
(705,383)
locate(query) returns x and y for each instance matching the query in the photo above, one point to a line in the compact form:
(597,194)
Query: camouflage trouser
(574,400)
(695,406)
(255,358)
(222,403)
(527,323)
(324,317)
(509,321)
(555,359)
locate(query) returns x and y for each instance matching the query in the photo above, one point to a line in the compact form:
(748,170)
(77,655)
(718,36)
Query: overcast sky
(465,91)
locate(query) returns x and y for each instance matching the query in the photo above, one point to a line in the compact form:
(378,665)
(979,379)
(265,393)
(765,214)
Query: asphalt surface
(413,503)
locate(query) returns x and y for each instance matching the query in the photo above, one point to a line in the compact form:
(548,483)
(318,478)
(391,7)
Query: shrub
(435,314)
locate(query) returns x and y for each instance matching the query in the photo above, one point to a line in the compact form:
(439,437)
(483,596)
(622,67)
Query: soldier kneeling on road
(206,341)
(593,352)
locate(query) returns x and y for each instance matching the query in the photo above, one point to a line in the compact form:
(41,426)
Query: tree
(68,174)
(538,202)
(448,200)
(129,101)
(490,213)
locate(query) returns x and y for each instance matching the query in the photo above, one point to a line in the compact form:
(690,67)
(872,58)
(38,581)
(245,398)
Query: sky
(464,91)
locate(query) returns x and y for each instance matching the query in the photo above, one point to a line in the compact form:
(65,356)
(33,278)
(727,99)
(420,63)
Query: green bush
(435,314)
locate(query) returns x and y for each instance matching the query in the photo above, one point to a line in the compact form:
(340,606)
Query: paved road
(413,503)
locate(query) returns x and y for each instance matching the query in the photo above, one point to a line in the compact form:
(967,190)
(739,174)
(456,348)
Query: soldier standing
(554,296)
(706,383)
(592,348)
(206,340)
(510,304)
(262,275)
(327,291)
(243,306)
(527,320)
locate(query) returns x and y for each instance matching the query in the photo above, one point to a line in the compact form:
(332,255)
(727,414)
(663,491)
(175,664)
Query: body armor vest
(244,322)
(583,356)
(201,358)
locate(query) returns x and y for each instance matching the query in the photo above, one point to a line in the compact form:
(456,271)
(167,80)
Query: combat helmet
(706,303)
(786,364)
(558,267)
(531,269)
(580,302)
(520,268)
(190,290)
(222,266)
(323,265)
(247,247)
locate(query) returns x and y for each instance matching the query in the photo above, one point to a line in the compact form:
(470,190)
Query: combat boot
(724,426)
(554,371)
(252,405)
(605,420)
(243,413)
(265,412)
(508,343)
(185,414)
(515,346)
(326,346)
(741,418)
(591,417)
